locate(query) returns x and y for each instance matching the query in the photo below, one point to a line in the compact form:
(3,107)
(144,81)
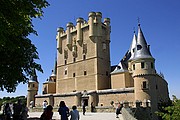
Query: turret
(143,72)
(108,28)
(141,58)
(69,36)
(54,72)
(50,85)
(79,22)
(91,24)
(32,89)
(60,30)
(98,24)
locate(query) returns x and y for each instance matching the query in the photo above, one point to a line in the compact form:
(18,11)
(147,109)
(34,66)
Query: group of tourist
(17,111)
(63,112)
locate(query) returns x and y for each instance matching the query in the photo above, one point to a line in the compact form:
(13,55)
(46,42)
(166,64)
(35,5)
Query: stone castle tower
(32,89)
(143,70)
(83,55)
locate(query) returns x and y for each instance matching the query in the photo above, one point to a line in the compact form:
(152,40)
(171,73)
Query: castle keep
(83,71)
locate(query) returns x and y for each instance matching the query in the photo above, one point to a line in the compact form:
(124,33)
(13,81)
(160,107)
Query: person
(44,105)
(118,110)
(92,107)
(74,113)
(84,107)
(24,113)
(63,111)
(17,108)
(7,112)
(47,114)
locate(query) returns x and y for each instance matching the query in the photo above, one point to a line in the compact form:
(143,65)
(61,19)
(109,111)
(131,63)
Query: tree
(170,111)
(17,53)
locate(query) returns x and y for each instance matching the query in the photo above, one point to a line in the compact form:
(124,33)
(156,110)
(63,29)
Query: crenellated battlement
(94,24)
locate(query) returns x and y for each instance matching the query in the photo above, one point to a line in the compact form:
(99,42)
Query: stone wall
(106,99)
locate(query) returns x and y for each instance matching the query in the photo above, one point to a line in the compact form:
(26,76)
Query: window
(152,65)
(142,65)
(106,73)
(33,85)
(85,73)
(74,75)
(74,59)
(144,85)
(84,57)
(65,62)
(134,67)
(84,48)
(139,47)
(65,72)
(156,87)
(65,54)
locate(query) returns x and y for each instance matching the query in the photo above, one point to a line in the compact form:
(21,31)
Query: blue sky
(160,23)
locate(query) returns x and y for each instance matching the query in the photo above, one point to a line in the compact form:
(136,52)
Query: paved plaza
(88,116)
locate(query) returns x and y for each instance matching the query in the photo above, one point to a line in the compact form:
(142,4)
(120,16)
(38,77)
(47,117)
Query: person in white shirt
(74,113)
(45,104)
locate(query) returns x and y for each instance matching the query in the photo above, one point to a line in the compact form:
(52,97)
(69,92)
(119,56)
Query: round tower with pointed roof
(143,70)
(32,89)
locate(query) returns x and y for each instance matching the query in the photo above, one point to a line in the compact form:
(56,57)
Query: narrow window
(142,65)
(74,75)
(84,57)
(106,73)
(33,85)
(65,62)
(144,85)
(74,59)
(134,67)
(85,73)
(65,72)
(152,65)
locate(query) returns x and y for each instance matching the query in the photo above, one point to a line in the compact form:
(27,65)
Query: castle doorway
(85,101)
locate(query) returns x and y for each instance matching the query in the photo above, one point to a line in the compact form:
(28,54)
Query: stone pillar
(51,100)
(78,99)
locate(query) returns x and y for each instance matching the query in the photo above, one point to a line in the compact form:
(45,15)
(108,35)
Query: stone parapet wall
(126,114)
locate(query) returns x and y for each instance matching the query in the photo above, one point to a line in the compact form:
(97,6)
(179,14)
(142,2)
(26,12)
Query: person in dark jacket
(47,114)
(63,111)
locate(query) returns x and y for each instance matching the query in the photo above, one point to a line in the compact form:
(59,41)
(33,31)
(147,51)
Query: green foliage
(12,100)
(17,53)
(170,111)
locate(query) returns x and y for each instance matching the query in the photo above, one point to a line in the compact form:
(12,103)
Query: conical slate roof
(33,78)
(138,49)
(133,46)
(142,49)
(123,64)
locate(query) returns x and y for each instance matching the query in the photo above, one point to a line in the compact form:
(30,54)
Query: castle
(83,71)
